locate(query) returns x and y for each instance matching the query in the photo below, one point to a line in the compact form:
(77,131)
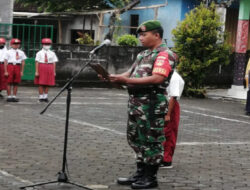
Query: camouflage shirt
(141,96)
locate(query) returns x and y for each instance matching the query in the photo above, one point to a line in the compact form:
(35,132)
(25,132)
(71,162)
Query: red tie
(46,58)
(17,56)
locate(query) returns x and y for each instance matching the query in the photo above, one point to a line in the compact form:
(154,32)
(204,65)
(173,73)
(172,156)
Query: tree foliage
(199,43)
(119,3)
(220,2)
(115,17)
(73,5)
(84,39)
(127,40)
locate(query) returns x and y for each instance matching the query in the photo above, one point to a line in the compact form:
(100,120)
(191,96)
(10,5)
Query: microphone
(104,43)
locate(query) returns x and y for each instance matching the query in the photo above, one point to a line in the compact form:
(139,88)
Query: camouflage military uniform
(147,107)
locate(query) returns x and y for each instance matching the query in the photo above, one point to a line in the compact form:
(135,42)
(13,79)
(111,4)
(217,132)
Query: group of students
(12,64)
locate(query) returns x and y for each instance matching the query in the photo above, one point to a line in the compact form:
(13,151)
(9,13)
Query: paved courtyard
(213,150)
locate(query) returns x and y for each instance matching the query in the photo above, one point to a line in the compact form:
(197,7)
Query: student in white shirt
(172,118)
(45,69)
(3,51)
(13,66)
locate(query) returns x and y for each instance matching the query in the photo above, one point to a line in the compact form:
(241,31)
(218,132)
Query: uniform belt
(142,91)
(14,64)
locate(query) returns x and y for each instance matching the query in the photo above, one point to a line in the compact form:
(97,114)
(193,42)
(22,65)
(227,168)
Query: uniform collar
(161,47)
(45,50)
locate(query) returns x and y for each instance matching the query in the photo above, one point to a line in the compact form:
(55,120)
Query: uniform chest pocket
(50,59)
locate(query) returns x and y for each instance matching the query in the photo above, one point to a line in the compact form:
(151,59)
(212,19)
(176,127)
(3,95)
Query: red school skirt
(3,85)
(46,75)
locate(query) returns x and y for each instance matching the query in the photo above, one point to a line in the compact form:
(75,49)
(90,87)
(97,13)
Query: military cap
(149,26)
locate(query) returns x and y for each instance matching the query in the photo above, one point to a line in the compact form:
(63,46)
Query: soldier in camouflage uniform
(147,81)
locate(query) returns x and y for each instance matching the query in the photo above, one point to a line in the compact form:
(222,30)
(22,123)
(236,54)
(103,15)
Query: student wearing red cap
(3,51)
(45,69)
(13,66)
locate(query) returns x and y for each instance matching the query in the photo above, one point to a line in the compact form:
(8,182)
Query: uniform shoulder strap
(137,62)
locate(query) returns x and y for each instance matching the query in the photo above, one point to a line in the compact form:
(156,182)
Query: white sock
(45,96)
(9,97)
(41,96)
(13,96)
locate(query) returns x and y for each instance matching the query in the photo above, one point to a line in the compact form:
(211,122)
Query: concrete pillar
(6,11)
(241,42)
(6,16)
(240,50)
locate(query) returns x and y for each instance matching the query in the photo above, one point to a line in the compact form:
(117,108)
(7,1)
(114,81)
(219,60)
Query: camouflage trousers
(145,132)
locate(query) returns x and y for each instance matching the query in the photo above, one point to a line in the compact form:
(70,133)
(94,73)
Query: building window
(74,35)
(134,22)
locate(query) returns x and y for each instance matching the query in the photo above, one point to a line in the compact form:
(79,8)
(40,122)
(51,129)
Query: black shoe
(145,183)
(126,181)
(40,100)
(149,179)
(9,100)
(46,100)
(166,165)
(15,100)
(129,180)
(138,175)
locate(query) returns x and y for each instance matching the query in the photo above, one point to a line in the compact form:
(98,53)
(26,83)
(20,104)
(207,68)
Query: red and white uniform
(14,58)
(2,77)
(174,89)
(46,69)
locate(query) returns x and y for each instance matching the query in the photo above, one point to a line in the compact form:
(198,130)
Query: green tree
(199,43)
(64,5)
(119,3)
(220,2)
(122,6)
(73,5)
(53,6)
(84,39)
(127,40)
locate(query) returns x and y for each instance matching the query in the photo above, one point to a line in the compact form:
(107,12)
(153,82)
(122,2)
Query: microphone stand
(62,176)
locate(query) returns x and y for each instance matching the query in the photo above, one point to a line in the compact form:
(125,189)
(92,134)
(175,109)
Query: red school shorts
(14,73)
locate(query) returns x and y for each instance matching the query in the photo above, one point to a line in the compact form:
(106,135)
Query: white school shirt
(176,86)
(51,56)
(11,56)
(2,54)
